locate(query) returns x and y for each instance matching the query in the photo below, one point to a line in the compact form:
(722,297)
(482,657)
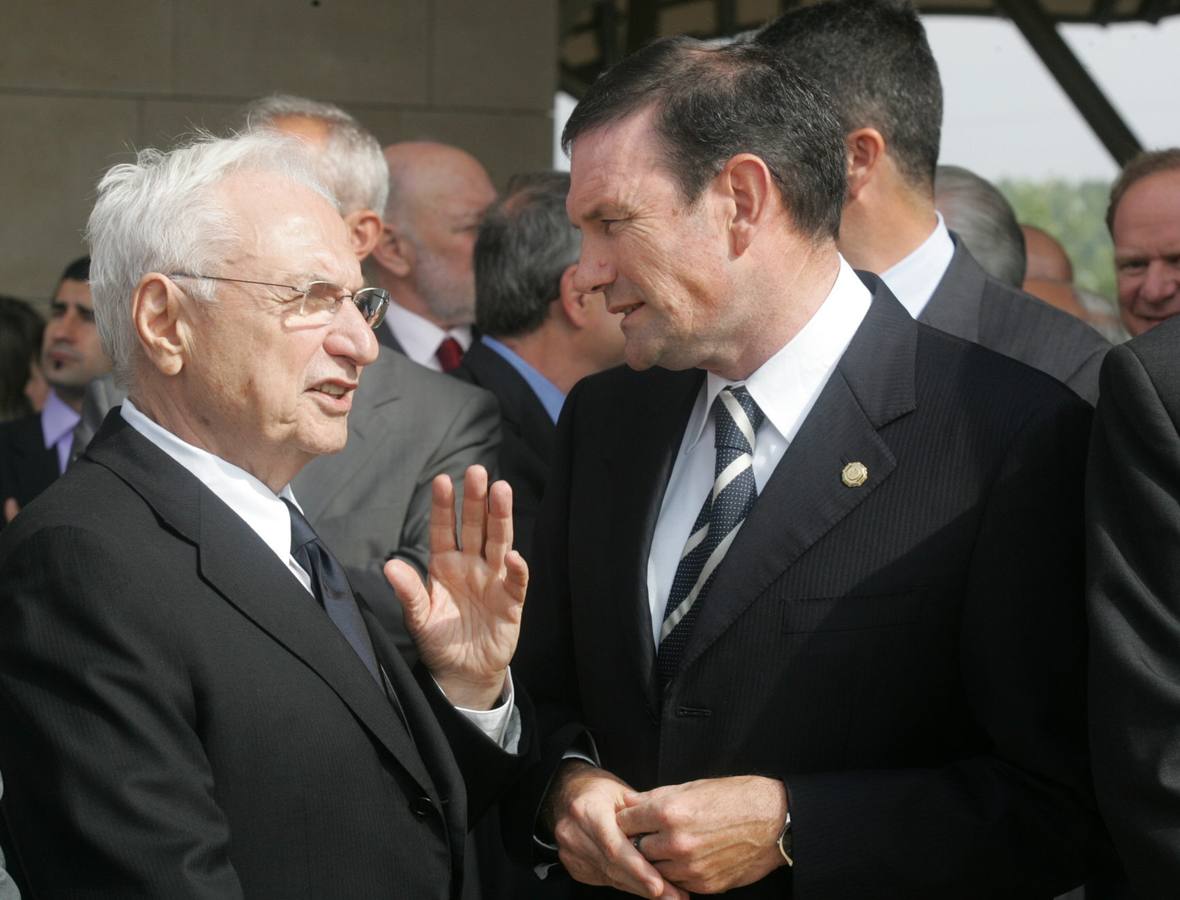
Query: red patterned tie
(449,354)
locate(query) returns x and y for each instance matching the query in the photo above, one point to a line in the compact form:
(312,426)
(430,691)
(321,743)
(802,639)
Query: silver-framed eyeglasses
(319,296)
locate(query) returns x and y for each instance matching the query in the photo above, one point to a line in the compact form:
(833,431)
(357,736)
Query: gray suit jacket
(970,304)
(371,502)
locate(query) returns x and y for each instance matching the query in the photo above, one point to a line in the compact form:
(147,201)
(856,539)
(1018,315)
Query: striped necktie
(736,418)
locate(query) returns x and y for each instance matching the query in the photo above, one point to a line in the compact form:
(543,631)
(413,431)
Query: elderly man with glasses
(193,701)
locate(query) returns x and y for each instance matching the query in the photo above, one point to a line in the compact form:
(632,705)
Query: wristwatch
(786,842)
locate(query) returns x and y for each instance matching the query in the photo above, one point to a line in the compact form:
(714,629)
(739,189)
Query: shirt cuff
(501,723)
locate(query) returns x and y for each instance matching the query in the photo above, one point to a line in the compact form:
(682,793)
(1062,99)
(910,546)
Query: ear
(161,321)
(748,184)
(393,252)
(574,304)
(865,149)
(364,231)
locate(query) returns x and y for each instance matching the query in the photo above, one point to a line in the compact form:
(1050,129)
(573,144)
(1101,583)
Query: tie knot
(736,419)
(302,533)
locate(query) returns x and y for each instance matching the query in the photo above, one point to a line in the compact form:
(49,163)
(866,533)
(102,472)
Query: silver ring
(636,841)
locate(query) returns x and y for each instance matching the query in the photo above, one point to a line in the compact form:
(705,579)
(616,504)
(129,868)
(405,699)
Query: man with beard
(437,198)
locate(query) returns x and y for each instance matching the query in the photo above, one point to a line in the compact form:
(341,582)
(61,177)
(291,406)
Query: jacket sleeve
(1133,593)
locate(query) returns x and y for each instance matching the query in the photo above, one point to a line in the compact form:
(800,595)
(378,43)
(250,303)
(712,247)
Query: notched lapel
(639,462)
(234,561)
(807,496)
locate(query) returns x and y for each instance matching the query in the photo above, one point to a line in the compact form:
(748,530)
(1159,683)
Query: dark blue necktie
(330,586)
(736,419)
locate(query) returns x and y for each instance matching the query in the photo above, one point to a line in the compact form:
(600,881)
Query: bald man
(1049,277)
(437,198)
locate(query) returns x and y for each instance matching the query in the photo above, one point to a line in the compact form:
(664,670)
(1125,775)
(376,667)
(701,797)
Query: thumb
(11,508)
(410,590)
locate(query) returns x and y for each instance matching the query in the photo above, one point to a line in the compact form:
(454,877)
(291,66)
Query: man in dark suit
(34,450)
(1133,519)
(873,59)
(874,686)
(437,197)
(540,335)
(193,702)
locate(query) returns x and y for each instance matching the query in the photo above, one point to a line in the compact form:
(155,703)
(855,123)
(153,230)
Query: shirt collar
(420,337)
(785,386)
(547,392)
(256,504)
(57,420)
(914,279)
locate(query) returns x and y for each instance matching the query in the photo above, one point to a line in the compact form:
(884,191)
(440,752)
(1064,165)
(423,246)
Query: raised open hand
(466,623)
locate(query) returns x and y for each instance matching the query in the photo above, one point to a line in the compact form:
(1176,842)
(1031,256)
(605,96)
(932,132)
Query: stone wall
(83,83)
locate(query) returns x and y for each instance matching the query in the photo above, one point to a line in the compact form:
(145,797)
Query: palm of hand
(474,616)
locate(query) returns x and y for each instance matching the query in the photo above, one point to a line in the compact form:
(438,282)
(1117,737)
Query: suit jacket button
(421,807)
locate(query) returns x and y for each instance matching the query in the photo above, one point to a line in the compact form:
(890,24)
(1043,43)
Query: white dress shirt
(914,279)
(267,516)
(420,337)
(785,388)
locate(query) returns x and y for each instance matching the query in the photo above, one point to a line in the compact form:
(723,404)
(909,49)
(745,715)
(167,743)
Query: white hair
(351,164)
(161,214)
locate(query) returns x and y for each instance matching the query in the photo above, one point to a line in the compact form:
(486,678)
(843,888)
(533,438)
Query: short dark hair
(714,102)
(1148,163)
(21,327)
(78,270)
(525,244)
(873,58)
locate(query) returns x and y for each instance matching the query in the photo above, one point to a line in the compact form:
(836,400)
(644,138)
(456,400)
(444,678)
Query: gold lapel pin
(855,474)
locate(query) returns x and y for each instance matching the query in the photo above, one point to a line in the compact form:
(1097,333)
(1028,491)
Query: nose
(594,272)
(1159,282)
(351,336)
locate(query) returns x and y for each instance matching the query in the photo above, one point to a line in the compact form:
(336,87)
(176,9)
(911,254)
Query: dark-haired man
(35,450)
(541,335)
(811,575)
(872,57)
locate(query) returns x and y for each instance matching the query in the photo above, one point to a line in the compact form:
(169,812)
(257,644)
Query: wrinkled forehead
(612,161)
(284,227)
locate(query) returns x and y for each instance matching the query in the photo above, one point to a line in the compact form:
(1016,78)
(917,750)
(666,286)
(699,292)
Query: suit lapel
(519,405)
(955,305)
(806,496)
(235,562)
(639,471)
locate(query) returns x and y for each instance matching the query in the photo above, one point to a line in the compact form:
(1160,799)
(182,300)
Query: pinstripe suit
(905,654)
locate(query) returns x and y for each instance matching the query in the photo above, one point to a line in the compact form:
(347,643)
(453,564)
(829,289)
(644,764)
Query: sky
(1005,115)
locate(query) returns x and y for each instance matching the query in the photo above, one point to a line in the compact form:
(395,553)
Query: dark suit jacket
(526,435)
(970,304)
(178,718)
(27,467)
(1133,511)
(371,501)
(906,655)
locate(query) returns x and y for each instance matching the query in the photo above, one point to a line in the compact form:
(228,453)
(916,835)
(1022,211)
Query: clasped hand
(466,620)
(704,836)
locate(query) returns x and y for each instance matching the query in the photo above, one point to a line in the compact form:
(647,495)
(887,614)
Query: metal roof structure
(597,33)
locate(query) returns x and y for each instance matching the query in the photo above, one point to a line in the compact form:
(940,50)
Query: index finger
(642,815)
